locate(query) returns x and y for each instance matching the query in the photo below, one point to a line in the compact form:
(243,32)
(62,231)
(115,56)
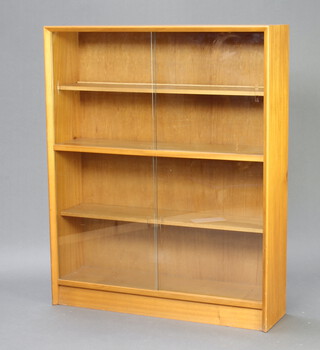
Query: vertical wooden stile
(275,174)
(49,84)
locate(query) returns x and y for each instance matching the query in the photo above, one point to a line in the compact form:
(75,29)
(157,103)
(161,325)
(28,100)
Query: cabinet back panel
(117,180)
(210,58)
(210,120)
(115,57)
(225,189)
(115,116)
(212,262)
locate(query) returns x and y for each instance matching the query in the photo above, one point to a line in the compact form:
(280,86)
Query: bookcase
(167,162)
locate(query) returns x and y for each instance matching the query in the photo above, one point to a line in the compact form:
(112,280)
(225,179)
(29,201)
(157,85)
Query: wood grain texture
(49,85)
(117,180)
(115,57)
(68,179)
(116,117)
(226,188)
(159,307)
(209,58)
(65,49)
(275,174)
(234,123)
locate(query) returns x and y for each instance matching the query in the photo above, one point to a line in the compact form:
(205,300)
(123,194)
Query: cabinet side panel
(65,70)
(275,174)
(51,161)
(69,193)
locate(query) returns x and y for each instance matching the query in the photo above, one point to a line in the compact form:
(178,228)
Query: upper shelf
(190,89)
(161,149)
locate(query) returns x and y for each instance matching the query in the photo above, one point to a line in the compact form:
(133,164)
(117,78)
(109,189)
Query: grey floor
(28,321)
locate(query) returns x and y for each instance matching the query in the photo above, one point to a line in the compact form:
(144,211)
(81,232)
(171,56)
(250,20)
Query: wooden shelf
(207,291)
(109,212)
(203,220)
(227,90)
(218,152)
(98,275)
(244,293)
(210,220)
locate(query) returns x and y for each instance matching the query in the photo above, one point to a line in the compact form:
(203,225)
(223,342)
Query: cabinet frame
(275,163)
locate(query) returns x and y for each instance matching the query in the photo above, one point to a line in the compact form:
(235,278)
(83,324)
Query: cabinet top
(194,28)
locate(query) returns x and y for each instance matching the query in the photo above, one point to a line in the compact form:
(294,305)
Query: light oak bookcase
(167,158)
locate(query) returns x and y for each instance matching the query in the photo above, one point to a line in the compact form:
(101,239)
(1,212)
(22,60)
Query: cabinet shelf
(190,89)
(198,151)
(203,220)
(232,294)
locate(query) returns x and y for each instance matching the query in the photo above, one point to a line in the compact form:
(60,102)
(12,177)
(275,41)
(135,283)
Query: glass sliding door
(105,184)
(209,132)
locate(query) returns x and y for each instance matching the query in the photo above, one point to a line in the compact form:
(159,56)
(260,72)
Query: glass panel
(209,99)
(185,225)
(209,92)
(109,252)
(210,240)
(106,221)
(234,59)
(210,262)
(222,124)
(98,103)
(106,216)
(114,57)
(112,120)
(210,194)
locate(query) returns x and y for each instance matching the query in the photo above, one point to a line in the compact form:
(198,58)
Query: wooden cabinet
(167,156)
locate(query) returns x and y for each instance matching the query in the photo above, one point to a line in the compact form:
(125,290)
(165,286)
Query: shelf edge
(163,220)
(160,153)
(204,299)
(179,89)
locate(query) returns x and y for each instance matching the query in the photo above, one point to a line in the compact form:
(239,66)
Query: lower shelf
(102,276)
(174,287)
(161,307)
(209,220)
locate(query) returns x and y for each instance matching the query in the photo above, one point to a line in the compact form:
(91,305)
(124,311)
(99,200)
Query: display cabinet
(167,158)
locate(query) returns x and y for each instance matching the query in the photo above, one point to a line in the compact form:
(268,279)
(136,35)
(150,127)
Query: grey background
(27,320)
